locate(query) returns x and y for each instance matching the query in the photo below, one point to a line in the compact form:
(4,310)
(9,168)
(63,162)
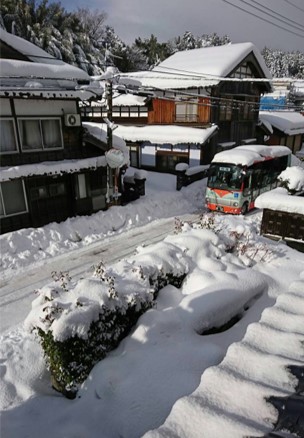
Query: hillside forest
(84,39)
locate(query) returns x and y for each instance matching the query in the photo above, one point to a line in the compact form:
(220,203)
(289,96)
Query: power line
(195,75)
(300,26)
(263,19)
(221,100)
(295,6)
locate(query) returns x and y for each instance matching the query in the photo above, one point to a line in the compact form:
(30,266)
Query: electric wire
(292,4)
(263,19)
(285,20)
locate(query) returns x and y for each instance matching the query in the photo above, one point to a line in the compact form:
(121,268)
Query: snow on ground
(31,246)
(166,364)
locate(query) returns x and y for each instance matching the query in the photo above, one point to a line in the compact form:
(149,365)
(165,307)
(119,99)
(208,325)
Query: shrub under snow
(79,322)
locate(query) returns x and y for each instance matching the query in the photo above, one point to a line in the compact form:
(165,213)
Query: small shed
(283,215)
(285,128)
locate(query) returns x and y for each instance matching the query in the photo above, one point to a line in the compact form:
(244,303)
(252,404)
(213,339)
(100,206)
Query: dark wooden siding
(283,224)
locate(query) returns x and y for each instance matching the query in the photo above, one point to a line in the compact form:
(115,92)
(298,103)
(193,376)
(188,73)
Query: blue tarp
(272,103)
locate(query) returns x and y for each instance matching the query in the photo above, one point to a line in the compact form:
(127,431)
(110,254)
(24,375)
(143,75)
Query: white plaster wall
(42,108)
(148,155)
(194,157)
(5,108)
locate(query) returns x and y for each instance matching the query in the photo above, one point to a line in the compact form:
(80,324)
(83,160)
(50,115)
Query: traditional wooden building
(205,87)
(283,128)
(48,172)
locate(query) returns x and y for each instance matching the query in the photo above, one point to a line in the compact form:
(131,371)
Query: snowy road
(17,292)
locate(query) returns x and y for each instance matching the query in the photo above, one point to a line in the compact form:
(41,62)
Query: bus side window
(256,179)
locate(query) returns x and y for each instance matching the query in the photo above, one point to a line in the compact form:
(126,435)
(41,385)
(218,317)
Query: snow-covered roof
(11,68)
(297,88)
(123,99)
(164,81)
(216,61)
(51,168)
(128,100)
(156,134)
(279,199)
(26,48)
(42,71)
(248,154)
(197,68)
(82,95)
(289,122)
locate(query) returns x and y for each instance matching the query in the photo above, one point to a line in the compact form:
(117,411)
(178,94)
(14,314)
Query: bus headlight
(207,200)
(235,204)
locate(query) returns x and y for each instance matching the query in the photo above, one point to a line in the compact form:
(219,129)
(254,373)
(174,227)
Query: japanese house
(48,173)
(283,128)
(198,89)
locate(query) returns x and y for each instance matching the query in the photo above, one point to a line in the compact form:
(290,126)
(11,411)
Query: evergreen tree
(154,51)
(82,38)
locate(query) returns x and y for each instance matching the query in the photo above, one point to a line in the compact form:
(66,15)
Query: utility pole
(109,113)
(110,126)
(109,91)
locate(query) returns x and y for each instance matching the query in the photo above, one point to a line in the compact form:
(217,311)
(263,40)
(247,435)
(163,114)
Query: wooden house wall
(162,111)
(204,110)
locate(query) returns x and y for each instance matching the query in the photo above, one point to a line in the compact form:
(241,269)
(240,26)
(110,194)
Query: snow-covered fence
(186,175)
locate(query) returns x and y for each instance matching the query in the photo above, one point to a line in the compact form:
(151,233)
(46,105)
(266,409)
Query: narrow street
(20,289)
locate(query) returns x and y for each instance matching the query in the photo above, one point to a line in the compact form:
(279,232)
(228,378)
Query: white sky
(138,18)
(164,360)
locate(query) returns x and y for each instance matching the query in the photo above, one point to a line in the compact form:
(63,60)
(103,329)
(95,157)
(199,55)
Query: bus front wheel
(244,208)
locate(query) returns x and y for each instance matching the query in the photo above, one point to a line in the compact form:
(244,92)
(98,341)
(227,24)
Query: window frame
(4,215)
(16,151)
(43,148)
(188,116)
(226,109)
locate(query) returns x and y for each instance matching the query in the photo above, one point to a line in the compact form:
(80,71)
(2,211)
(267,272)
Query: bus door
(257,184)
(249,192)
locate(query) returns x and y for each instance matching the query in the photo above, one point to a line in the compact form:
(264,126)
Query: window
(12,198)
(8,143)
(37,134)
(186,112)
(226,110)
(57,189)
(244,71)
(38,193)
(168,161)
(133,156)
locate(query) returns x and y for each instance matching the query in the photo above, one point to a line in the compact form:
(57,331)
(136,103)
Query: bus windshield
(225,176)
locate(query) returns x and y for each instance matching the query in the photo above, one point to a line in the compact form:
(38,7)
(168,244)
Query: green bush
(70,360)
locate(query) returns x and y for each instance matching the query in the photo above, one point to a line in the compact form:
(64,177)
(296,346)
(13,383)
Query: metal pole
(109,88)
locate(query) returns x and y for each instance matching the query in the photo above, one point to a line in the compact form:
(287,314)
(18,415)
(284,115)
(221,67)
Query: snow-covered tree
(284,64)
(82,38)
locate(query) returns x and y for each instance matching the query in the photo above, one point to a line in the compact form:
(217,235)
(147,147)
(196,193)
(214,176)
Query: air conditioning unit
(72,120)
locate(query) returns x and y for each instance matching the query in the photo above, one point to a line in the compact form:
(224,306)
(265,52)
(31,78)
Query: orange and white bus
(238,176)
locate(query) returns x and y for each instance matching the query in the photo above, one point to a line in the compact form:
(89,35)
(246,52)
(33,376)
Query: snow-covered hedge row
(78,323)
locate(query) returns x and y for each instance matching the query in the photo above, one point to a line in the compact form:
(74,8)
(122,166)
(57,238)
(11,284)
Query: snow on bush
(293,179)
(79,322)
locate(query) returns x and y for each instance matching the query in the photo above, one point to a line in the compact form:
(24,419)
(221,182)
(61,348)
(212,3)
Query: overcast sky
(167,19)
